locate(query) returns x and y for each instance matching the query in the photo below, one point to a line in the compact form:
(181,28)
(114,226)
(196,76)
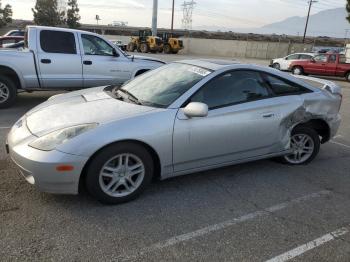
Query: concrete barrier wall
(233,48)
(248,49)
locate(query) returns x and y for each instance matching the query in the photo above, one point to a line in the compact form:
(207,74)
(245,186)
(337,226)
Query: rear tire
(305,143)
(144,48)
(8,92)
(131,47)
(119,173)
(297,70)
(347,77)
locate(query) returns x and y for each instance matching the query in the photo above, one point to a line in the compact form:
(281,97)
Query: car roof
(212,64)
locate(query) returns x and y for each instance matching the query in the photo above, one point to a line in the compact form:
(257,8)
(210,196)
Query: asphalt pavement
(257,211)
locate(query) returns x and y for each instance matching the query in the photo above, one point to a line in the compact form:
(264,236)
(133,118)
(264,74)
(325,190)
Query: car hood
(75,108)
(145,58)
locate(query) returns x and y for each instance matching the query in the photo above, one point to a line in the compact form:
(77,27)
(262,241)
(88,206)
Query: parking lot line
(340,144)
(310,245)
(212,228)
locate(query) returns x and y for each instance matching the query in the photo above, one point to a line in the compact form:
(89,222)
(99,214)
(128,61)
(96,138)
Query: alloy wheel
(122,175)
(302,147)
(4,92)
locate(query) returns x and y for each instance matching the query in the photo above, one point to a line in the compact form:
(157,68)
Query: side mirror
(115,53)
(312,60)
(196,109)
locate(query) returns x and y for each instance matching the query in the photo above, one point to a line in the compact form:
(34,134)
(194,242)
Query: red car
(10,40)
(323,64)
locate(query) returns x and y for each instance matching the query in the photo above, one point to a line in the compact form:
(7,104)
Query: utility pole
(172,19)
(308,16)
(154,17)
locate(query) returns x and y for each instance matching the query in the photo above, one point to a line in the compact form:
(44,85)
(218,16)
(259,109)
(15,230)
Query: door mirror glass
(196,109)
(115,53)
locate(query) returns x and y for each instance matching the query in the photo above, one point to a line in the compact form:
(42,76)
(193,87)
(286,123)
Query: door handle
(268,115)
(87,62)
(46,61)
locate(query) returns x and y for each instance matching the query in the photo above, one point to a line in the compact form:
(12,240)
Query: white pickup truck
(65,59)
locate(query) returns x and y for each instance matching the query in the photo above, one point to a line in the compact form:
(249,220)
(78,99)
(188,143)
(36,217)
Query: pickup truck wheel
(297,70)
(8,92)
(347,77)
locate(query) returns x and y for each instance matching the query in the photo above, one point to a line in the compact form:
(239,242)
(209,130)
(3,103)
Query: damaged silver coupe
(181,118)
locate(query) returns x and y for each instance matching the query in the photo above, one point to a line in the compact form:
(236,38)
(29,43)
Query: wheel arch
(150,149)
(320,126)
(12,74)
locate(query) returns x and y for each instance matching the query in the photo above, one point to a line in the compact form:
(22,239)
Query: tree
(73,16)
(348,9)
(5,15)
(46,13)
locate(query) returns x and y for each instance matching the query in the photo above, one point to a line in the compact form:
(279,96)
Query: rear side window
(281,87)
(305,57)
(292,57)
(57,42)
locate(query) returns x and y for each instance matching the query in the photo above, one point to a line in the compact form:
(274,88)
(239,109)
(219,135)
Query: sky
(211,13)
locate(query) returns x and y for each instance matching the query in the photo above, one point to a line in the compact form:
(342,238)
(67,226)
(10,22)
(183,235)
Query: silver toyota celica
(181,118)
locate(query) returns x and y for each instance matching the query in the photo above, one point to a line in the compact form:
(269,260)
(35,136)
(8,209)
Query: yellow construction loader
(145,43)
(171,45)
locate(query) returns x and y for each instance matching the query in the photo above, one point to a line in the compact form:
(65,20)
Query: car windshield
(161,87)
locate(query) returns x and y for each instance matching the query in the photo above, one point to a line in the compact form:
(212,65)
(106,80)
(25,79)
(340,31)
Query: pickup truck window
(94,45)
(321,58)
(57,42)
(332,59)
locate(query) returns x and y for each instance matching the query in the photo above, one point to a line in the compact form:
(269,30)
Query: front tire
(276,66)
(119,173)
(167,49)
(305,145)
(8,92)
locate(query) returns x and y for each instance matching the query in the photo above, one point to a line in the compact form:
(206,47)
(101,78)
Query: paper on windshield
(199,71)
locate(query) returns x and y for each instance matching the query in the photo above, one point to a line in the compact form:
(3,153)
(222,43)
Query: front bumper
(39,167)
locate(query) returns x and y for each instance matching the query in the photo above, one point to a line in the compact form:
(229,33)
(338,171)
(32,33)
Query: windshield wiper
(131,97)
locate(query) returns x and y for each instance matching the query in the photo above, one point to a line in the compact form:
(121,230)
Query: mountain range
(331,23)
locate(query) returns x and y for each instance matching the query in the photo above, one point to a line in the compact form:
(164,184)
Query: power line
(187,8)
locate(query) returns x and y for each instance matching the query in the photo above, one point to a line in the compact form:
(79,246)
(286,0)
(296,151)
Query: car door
(288,60)
(102,64)
(243,122)
(317,65)
(331,65)
(59,60)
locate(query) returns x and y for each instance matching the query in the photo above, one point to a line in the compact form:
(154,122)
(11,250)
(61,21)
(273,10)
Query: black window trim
(114,49)
(304,91)
(268,87)
(75,42)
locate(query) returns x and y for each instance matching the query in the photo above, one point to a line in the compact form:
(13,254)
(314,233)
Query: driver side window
(232,88)
(94,45)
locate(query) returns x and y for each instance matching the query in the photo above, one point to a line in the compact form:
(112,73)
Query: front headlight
(52,140)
